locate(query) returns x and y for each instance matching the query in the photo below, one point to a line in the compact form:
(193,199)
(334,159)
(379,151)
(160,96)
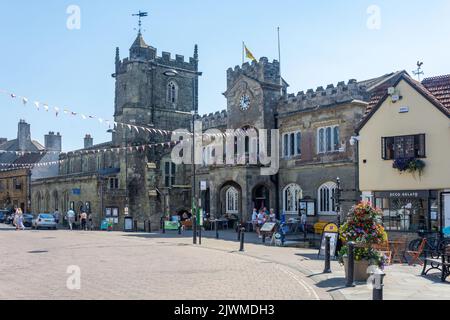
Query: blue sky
(323,42)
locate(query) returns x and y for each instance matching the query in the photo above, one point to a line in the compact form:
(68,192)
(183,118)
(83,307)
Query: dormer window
(172,92)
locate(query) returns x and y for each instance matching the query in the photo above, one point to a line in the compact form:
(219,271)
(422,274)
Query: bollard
(216,225)
(327,256)
(351,265)
(145,225)
(194,229)
(135,226)
(242,239)
(264,238)
(149,226)
(179,227)
(378,285)
(239,232)
(163,226)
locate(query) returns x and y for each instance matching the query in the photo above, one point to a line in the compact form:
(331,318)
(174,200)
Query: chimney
(23,135)
(88,141)
(53,142)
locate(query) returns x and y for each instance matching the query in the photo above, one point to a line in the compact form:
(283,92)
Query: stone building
(19,165)
(159,92)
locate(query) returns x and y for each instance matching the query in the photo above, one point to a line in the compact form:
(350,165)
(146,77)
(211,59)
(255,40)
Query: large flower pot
(360,270)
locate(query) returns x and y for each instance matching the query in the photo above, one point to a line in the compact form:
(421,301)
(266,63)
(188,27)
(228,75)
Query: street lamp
(126,169)
(193,113)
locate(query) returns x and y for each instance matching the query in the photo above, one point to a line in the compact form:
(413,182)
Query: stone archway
(230,199)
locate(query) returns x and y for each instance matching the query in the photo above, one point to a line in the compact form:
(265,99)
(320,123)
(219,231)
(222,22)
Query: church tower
(154,91)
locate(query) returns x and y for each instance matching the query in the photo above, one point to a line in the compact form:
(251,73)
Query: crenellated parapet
(262,70)
(215,120)
(342,92)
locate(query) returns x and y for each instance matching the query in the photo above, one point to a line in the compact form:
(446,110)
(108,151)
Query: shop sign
(402,194)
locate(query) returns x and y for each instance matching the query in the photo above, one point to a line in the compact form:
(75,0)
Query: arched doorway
(230,200)
(261,197)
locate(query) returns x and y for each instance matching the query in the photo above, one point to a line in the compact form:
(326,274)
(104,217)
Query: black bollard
(149,226)
(242,232)
(194,229)
(145,225)
(200,235)
(135,226)
(163,226)
(264,238)
(327,256)
(179,227)
(216,225)
(351,265)
(239,232)
(378,286)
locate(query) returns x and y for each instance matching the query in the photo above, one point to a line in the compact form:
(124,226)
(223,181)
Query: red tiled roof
(439,87)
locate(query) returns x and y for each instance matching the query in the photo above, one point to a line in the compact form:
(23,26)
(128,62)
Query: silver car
(44,220)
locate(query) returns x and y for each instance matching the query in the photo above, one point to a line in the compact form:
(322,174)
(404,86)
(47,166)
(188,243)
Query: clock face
(244,103)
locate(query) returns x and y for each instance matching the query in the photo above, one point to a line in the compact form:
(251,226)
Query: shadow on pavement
(335,283)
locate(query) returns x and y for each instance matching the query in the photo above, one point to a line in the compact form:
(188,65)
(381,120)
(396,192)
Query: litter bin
(129,224)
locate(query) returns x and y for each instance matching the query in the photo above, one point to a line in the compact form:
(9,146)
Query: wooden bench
(437,261)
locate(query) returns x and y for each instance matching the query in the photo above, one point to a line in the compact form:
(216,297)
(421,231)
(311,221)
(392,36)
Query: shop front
(410,211)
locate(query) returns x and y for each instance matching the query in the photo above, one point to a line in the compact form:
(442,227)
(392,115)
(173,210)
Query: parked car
(28,220)
(3,216)
(44,220)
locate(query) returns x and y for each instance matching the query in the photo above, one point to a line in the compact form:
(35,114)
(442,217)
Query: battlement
(215,120)
(178,62)
(342,92)
(263,71)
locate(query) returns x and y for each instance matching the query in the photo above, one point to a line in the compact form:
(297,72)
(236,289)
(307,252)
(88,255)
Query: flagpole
(243,52)
(279,58)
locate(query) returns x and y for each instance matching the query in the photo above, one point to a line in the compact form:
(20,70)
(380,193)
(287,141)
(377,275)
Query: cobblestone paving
(34,264)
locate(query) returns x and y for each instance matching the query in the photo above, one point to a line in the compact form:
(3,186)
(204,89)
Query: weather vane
(140,15)
(419,71)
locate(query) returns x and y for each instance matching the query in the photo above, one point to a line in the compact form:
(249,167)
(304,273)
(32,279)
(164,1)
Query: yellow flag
(248,54)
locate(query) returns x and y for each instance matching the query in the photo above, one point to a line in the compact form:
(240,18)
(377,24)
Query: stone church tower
(155,92)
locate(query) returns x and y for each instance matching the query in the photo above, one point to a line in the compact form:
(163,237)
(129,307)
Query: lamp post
(193,113)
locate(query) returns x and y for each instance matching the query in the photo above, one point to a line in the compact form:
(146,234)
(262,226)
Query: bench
(437,260)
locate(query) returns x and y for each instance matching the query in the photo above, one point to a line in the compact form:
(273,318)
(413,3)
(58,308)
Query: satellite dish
(391,91)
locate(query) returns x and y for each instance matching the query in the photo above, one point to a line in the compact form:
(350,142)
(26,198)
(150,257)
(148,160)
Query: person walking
(83,218)
(20,225)
(71,218)
(91,223)
(57,216)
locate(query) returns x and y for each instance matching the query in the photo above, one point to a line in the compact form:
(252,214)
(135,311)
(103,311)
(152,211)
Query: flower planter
(360,271)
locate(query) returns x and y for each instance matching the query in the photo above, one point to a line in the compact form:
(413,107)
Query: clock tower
(253,92)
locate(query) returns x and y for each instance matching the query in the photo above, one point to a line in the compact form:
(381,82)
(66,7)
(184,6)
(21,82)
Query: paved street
(155,266)
(131,266)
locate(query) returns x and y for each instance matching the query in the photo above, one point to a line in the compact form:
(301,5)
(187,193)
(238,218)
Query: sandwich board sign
(331,230)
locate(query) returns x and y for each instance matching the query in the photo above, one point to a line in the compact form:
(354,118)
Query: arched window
(291,195)
(232,200)
(326,198)
(321,142)
(172,92)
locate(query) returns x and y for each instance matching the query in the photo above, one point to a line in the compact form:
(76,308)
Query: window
(232,201)
(326,198)
(328,139)
(16,184)
(291,196)
(114,183)
(172,92)
(292,144)
(112,212)
(403,147)
(169,174)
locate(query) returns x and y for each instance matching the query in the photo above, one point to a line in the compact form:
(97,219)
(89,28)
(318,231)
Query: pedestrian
(83,218)
(70,218)
(91,223)
(56,215)
(19,223)
(272,216)
(303,221)
(261,222)
(255,218)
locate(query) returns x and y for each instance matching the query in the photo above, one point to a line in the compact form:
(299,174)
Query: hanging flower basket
(410,165)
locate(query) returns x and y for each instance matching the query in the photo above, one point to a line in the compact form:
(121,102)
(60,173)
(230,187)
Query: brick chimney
(23,135)
(88,141)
